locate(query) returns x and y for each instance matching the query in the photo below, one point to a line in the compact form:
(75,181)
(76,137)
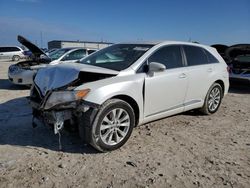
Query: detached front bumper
(61,113)
(50,116)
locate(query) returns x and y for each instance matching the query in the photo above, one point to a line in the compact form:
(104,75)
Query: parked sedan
(117,88)
(22,73)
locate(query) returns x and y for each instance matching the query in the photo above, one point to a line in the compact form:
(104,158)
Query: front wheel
(112,126)
(15,58)
(213,99)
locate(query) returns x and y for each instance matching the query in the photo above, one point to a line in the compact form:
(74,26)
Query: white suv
(117,88)
(13,52)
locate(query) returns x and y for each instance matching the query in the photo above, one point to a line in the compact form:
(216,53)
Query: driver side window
(75,55)
(170,56)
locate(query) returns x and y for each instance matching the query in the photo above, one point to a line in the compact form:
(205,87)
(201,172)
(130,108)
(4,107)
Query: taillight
(229,69)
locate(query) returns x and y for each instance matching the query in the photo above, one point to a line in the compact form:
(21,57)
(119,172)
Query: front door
(165,91)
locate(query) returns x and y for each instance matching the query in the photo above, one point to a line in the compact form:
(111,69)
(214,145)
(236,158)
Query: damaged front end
(54,97)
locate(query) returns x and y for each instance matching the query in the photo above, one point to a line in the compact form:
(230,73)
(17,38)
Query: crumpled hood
(60,75)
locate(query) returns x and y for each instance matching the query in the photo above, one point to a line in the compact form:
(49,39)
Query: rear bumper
(243,77)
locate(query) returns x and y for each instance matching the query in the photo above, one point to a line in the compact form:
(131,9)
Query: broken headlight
(62,97)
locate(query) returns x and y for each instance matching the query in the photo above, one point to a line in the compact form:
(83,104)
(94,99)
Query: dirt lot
(186,150)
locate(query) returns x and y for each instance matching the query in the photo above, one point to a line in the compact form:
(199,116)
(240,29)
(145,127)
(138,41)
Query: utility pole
(41,35)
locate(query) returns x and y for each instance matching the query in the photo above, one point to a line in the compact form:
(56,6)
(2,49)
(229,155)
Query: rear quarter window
(9,49)
(14,49)
(211,58)
(197,56)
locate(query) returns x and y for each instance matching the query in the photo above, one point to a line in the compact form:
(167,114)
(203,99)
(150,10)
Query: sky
(206,21)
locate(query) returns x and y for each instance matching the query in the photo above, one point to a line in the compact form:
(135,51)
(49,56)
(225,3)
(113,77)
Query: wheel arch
(221,84)
(132,102)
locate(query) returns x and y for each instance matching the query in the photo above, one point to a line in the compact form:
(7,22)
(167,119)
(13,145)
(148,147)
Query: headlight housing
(15,69)
(63,97)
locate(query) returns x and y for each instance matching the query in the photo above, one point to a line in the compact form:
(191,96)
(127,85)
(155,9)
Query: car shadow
(16,130)
(6,84)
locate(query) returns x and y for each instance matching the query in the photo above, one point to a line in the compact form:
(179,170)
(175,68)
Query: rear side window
(14,49)
(9,49)
(210,57)
(195,55)
(91,51)
(170,56)
(75,55)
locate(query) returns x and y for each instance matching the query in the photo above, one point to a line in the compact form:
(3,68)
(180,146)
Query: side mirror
(156,67)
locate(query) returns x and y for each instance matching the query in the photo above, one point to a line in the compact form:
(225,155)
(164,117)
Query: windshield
(117,57)
(58,53)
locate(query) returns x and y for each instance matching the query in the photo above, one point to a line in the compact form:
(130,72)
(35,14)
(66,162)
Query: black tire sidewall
(96,128)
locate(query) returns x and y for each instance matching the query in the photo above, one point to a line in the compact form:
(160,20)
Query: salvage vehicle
(22,73)
(239,63)
(119,87)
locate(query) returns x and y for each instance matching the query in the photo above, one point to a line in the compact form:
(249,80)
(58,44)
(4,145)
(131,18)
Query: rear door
(5,53)
(165,91)
(200,71)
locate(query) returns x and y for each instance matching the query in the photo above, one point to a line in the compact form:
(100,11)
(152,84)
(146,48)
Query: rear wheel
(15,58)
(213,99)
(112,125)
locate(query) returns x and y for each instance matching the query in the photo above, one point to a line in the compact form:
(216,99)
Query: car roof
(76,48)
(163,42)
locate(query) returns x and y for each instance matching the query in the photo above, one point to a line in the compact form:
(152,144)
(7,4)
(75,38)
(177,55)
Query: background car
(67,55)
(221,48)
(117,88)
(50,51)
(239,62)
(14,53)
(22,73)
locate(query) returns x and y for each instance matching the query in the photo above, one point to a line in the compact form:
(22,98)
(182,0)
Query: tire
(213,99)
(15,58)
(106,132)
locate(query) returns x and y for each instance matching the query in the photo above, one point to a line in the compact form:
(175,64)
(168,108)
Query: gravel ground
(186,150)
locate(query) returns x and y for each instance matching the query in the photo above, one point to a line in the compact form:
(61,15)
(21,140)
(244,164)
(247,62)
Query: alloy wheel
(115,126)
(214,99)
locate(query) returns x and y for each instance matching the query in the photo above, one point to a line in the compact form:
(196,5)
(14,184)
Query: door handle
(210,70)
(183,75)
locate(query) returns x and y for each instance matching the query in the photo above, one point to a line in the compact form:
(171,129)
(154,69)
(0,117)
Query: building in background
(74,44)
